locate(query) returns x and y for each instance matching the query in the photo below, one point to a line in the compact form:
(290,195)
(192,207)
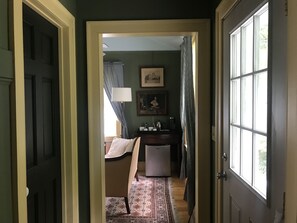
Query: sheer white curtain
(114,77)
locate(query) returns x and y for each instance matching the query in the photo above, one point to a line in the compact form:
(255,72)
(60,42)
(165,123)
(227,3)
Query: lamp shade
(121,94)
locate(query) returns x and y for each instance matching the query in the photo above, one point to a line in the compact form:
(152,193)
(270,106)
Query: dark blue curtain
(187,113)
(114,77)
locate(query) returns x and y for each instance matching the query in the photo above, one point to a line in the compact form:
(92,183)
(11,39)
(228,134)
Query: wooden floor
(177,187)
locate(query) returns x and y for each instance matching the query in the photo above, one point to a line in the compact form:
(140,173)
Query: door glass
(247,155)
(235,55)
(247,47)
(248,100)
(235,149)
(261,102)
(261,39)
(235,101)
(260,161)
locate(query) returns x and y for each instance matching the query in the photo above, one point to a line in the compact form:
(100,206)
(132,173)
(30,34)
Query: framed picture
(152,77)
(151,102)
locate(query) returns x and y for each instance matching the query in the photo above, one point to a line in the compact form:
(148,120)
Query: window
(111,123)
(248,100)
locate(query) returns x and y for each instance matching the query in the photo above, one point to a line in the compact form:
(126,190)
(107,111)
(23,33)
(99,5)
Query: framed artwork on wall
(152,102)
(152,77)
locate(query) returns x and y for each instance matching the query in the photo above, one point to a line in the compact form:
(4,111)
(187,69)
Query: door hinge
(286,8)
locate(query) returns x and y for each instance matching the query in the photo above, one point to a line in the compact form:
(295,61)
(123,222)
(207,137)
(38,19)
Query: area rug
(149,201)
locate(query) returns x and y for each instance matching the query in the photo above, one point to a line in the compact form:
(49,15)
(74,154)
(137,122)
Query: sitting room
(145,142)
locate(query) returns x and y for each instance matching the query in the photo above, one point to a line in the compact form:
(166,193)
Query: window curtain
(187,113)
(114,77)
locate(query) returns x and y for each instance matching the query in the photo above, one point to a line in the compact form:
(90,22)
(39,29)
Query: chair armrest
(117,175)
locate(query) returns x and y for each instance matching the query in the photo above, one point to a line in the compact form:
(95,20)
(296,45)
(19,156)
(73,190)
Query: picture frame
(151,77)
(152,102)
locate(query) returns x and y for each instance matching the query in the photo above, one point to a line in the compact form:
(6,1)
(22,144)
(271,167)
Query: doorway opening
(200,29)
(130,57)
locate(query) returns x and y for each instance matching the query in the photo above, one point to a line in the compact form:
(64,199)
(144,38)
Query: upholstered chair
(121,169)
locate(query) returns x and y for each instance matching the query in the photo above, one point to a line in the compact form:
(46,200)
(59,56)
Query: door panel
(42,119)
(30,142)
(234,210)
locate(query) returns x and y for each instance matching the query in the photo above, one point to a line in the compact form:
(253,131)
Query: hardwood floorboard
(177,187)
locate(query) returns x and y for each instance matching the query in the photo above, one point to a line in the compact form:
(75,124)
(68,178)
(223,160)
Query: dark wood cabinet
(172,138)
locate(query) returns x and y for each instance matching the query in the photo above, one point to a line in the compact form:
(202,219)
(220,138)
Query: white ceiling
(143,43)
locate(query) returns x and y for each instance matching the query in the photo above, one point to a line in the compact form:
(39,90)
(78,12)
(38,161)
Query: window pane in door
(247,47)
(247,155)
(235,149)
(261,40)
(235,101)
(247,101)
(261,102)
(235,55)
(260,163)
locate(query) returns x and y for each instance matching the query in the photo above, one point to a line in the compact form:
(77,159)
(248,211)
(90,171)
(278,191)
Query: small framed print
(152,102)
(152,77)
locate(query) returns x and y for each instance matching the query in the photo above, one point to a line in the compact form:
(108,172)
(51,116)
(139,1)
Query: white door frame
(95,31)
(57,14)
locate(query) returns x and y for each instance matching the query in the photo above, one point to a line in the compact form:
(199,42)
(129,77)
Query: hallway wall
(116,10)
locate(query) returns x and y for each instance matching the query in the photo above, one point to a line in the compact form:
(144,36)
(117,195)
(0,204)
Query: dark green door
(42,119)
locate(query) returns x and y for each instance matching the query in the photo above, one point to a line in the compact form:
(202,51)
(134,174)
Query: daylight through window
(110,118)
(248,100)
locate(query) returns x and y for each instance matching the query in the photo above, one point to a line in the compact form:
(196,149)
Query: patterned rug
(149,202)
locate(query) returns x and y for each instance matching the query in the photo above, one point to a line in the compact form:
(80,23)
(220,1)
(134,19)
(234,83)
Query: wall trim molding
(58,15)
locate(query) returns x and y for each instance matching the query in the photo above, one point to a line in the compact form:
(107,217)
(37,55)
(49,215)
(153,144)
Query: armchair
(120,172)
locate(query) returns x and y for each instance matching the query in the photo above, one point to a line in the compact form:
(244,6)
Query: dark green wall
(116,10)
(170,60)
(70,5)
(146,9)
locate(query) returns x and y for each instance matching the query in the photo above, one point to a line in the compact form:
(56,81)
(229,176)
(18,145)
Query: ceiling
(143,43)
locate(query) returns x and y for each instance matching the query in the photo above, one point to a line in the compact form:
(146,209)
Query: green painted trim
(6,63)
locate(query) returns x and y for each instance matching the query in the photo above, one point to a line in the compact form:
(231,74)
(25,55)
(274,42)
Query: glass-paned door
(248,100)
(246,137)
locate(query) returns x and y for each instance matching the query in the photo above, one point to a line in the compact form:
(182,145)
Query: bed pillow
(119,146)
